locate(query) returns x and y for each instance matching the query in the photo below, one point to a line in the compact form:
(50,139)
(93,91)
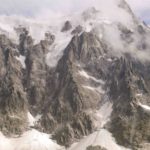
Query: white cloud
(139,5)
(32,7)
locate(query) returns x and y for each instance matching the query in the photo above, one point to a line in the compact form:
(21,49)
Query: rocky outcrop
(22,87)
(69,101)
(95,148)
(130,123)
(70,98)
(34,80)
(13,102)
(77,30)
(25,41)
(67,26)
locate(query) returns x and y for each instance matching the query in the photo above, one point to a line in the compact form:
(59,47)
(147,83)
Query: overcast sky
(31,7)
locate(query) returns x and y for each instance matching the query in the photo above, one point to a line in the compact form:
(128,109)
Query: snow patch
(85,74)
(139,94)
(21,59)
(30,140)
(103,114)
(5,143)
(96,89)
(146,107)
(109,59)
(31,119)
(57,49)
(89,87)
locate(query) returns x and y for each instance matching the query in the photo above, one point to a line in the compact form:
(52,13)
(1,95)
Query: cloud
(23,7)
(32,7)
(44,17)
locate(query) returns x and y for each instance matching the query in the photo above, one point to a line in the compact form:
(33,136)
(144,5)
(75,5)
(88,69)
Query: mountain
(81,80)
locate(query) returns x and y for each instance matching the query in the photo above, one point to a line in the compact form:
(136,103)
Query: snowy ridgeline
(35,140)
(102,138)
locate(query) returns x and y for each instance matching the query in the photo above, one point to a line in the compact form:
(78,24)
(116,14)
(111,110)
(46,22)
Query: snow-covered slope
(30,140)
(101,137)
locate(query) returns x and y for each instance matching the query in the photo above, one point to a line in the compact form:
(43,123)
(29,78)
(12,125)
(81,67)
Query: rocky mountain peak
(67,26)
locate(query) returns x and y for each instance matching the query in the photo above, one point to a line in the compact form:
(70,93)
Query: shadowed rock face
(21,89)
(68,99)
(36,72)
(13,101)
(130,124)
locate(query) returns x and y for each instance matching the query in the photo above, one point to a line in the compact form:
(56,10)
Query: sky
(32,7)
(141,8)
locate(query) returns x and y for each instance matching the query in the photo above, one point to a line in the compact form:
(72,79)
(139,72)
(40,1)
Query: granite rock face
(69,101)
(13,100)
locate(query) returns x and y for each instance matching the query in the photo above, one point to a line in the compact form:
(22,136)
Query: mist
(48,15)
(30,8)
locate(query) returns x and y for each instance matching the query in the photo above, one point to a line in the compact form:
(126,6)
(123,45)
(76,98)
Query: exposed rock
(25,42)
(95,148)
(49,40)
(77,30)
(130,124)
(67,26)
(13,102)
(68,99)
(35,74)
